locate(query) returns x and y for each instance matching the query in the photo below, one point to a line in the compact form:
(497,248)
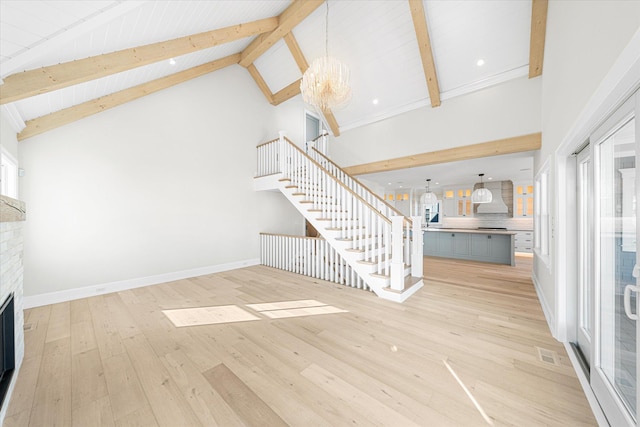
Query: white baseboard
(122,285)
(548,313)
(586,387)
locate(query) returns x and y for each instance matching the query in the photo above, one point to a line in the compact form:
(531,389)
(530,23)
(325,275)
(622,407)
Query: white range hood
(497,205)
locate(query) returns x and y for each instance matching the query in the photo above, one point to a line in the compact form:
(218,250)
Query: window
(542,218)
(8,174)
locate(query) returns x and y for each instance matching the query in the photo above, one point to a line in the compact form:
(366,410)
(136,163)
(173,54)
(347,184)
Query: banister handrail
(291,235)
(339,182)
(319,136)
(267,143)
(408,220)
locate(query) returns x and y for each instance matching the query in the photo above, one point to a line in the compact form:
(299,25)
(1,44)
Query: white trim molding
(123,285)
(546,309)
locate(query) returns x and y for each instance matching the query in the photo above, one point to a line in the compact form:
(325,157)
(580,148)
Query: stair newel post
(281,151)
(397,253)
(416,248)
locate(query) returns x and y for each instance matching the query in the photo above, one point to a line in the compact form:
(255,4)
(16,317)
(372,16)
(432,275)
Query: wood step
(409,282)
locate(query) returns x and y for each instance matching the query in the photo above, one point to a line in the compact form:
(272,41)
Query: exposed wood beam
(331,120)
(538,34)
(516,144)
(33,82)
(286,93)
(260,82)
(77,112)
(424,43)
(300,59)
(296,52)
(292,16)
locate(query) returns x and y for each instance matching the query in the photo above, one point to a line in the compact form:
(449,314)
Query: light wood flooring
(117,360)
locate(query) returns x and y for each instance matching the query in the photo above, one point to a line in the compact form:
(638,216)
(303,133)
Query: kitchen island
(495,246)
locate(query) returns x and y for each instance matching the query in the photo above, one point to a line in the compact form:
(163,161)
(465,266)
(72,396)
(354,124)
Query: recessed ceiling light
(172,61)
(375,102)
(489,178)
(437,183)
(480,62)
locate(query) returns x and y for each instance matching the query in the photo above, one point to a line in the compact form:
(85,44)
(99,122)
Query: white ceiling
(375,38)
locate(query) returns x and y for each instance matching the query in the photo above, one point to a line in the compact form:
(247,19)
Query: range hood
(497,205)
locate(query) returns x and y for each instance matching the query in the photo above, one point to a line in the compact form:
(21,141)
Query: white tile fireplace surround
(12,216)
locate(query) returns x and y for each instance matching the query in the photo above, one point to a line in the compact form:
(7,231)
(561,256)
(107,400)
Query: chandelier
(325,84)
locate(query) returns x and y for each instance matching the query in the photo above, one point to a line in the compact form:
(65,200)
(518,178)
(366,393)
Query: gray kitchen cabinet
(474,246)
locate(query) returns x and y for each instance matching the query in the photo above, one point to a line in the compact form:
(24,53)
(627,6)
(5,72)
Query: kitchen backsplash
(475,222)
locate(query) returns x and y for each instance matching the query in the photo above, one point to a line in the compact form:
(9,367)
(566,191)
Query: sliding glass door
(614,368)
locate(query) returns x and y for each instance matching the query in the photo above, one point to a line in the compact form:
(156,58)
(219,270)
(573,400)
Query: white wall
(583,40)
(502,111)
(158,185)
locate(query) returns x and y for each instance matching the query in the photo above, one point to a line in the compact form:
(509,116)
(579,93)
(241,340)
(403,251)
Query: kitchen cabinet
(457,201)
(470,245)
(523,199)
(524,241)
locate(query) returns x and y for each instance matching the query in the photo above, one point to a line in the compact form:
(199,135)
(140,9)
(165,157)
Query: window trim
(542,219)
(8,174)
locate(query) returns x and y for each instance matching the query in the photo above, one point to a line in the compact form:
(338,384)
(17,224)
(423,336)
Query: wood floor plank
(87,378)
(52,398)
(246,404)
(165,397)
(59,322)
(117,360)
(206,403)
(125,391)
(105,328)
(94,413)
(359,401)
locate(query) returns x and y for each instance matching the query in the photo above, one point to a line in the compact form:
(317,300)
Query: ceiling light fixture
(375,102)
(480,62)
(325,84)
(429,198)
(481,195)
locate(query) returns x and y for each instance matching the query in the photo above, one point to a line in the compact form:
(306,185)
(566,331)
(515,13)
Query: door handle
(627,301)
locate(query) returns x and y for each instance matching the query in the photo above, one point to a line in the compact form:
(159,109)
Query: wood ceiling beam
(516,144)
(331,121)
(538,34)
(292,16)
(424,44)
(34,82)
(287,93)
(295,50)
(77,112)
(260,82)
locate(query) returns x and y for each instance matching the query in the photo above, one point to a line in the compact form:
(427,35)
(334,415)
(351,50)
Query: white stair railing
(346,212)
(310,256)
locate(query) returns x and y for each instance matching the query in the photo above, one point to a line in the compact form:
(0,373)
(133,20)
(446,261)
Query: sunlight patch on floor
(208,315)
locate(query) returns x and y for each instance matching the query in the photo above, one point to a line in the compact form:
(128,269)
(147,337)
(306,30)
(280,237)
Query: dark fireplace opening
(7,347)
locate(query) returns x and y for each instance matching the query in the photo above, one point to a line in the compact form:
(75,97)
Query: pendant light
(429,198)
(481,195)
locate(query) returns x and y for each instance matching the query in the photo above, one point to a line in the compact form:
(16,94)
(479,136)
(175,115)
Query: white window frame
(543,230)
(8,174)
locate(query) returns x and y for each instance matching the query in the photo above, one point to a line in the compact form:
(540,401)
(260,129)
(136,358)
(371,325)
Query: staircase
(372,237)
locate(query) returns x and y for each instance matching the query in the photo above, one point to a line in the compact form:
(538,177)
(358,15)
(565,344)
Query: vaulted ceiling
(61,61)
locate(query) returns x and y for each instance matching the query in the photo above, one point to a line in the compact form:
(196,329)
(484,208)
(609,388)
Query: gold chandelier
(325,84)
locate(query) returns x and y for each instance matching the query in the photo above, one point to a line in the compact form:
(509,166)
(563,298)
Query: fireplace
(7,347)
